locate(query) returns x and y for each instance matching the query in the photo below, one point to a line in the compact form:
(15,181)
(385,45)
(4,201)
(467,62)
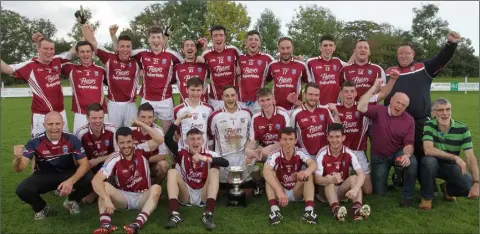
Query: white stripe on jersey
(35,87)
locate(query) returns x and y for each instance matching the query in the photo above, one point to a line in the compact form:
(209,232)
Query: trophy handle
(249,169)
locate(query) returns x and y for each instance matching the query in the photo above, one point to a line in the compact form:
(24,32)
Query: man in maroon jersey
(356,125)
(310,121)
(251,69)
(156,158)
(190,68)
(333,175)
(287,180)
(43,76)
(194,180)
(221,60)
(288,75)
(121,75)
(87,81)
(362,72)
(132,188)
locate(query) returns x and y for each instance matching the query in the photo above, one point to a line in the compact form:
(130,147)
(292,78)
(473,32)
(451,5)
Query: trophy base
(237,199)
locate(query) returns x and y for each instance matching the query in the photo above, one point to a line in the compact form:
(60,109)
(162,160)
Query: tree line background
(192,19)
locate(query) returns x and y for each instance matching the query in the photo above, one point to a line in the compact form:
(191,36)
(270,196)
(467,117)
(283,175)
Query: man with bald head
(55,168)
(392,139)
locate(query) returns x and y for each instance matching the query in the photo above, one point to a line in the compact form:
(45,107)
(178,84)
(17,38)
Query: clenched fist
(36,37)
(453,37)
(113,29)
(18,150)
(394,74)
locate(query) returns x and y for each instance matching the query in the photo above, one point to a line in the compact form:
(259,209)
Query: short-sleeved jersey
(129,175)
(456,139)
(44,81)
(327,164)
(363,76)
(266,130)
(311,127)
(140,138)
(253,69)
(326,74)
(287,78)
(122,76)
(193,174)
(286,168)
(87,86)
(222,123)
(198,120)
(100,146)
(54,156)
(186,70)
(158,73)
(222,69)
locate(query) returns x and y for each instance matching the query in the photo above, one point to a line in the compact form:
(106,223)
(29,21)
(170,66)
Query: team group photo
(183,121)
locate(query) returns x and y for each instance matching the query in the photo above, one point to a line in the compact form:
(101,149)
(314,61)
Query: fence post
(466,80)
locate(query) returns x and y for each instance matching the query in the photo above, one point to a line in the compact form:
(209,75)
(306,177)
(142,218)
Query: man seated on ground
(391,141)
(195,178)
(132,188)
(98,140)
(333,175)
(55,153)
(286,181)
(443,139)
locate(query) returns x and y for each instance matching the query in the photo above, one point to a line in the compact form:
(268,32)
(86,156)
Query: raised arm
(113,35)
(88,34)
(436,64)
(7,69)
(20,161)
(157,138)
(385,91)
(365,99)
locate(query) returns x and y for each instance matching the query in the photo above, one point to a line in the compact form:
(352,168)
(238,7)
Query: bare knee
(214,172)
(161,167)
(156,190)
(172,173)
(353,179)
(109,188)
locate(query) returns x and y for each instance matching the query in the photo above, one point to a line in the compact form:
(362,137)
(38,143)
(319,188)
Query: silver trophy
(236,177)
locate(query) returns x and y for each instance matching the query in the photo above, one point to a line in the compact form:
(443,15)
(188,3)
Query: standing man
(43,76)
(55,155)
(221,60)
(121,75)
(252,68)
(87,81)
(416,79)
(288,75)
(362,72)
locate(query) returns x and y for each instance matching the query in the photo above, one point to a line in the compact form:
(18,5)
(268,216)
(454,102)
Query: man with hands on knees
(333,164)
(286,181)
(54,152)
(443,139)
(392,138)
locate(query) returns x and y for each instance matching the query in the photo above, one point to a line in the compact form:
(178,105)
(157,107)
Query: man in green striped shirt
(443,139)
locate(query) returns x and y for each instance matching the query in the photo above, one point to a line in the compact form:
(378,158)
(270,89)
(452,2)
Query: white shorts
(195,197)
(233,160)
(161,109)
(133,199)
(289,193)
(38,119)
(254,107)
(216,104)
(81,119)
(362,159)
(121,113)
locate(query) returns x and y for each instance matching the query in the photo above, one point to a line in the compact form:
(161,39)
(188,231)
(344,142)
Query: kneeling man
(286,181)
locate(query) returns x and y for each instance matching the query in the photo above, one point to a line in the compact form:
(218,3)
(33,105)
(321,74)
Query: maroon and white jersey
(222,69)
(326,74)
(198,120)
(158,73)
(186,70)
(252,75)
(327,164)
(129,175)
(87,86)
(287,78)
(100,146)
(122,76)
(363,76)
(223,123)
(44,81)
(139,138)
(284,168)
(193,174)
(266,131)
(311,127)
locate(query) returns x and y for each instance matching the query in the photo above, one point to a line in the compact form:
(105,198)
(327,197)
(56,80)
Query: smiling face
(285,48)
(443,113)
(253,43)
(189,49)
(85,53)
(95,120)
(218,38)
(312,95)
(156,41)
(266,102)
(288,141)
(195,143)
(53,125)
(362,51)
(195,92)
(229,97)
(46,51)
(124,49)
(398,104)
(405,55)
(327,48)
(125,144)
(349,93)
(335,139)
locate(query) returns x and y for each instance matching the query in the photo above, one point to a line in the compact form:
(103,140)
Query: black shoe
(406,203)
(259,188)
(173,220)
(309,217)
(207,220)
(275,217)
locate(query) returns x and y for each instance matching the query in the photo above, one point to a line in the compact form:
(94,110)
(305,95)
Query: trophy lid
(236,168)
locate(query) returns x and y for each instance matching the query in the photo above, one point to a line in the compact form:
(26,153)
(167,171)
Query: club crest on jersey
(322,117)
(95,73)
(369,71)
(199,69)
(334,67)
(242,120)
(129,64)
(229,58)
(294,71)
(412,68)
(65,149)
(107,143)
(259,62)
(204,115)
(357,114)
(55,68)
(135,162)
(277,126)
(164,61)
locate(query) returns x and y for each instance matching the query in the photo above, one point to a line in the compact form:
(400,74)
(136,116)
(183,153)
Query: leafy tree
(269,27)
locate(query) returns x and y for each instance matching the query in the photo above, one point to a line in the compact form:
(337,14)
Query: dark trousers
(458,185)
(418,146)
(30,189)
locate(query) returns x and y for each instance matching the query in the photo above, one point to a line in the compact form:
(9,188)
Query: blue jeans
(458,185)
(381,168)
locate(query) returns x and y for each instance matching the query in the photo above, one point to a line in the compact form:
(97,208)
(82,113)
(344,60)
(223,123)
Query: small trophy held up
(236,177)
